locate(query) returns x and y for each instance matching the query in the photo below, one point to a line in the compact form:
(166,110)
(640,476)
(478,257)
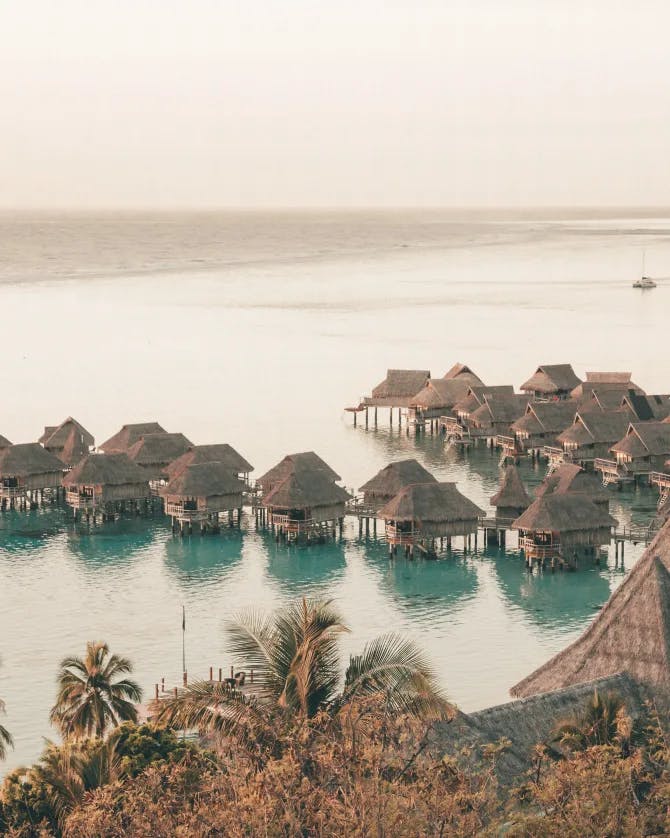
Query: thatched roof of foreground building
(394,477)
(124,439)
(512,493)
(619,382)
(216,453)
(205,480)
(106,470)
(398,388)
(430,505)
(526,723)
(571,479)
(575,518)
(440,393)
(304,462)
(462,372)
(158,449)
(4,442)
(56,436)
(630,634)
(545,418)
(28,459)
(305,489)
(598,427)
(552,379)
(645,439)
(647,408)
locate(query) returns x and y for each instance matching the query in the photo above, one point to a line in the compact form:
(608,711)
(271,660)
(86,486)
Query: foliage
(91,698)
(600,722)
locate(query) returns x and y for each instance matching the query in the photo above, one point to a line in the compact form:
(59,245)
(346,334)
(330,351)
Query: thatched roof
(630,634)
(463,372)
(105,470)
(203,481)
(645,439)
(158,449)
(546,417)
(4,442)
(476,395)
(398,388)
(434,502)
(512,493)
(305,490)
(529,722)
(647,408)
(500,409)
(59,436)
(440,393)
(217,453)
(601,382)
(395,476)
(596,427)
(550,379)
(128,436)
(571,479)
(306,462)
(27,459)
(564,514)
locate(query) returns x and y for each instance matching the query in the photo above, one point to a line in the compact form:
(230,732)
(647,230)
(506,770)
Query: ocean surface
(258,329)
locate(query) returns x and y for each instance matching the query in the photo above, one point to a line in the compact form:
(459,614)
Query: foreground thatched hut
(306,461)
(107,484)
(217,453)
(560,528)
(305,504)
(551,381)
(69,441)
(153,453)
(423,512)
(630,634)
(27,471)
(512,499)
(571,479)
(390,480)
(201,494)
(124,439)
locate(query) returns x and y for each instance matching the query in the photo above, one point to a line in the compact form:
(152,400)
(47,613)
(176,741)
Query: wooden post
(211,673)
(156,692)
(220,675)
(186,679)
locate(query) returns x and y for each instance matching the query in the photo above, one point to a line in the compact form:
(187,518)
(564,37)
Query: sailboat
(644,281)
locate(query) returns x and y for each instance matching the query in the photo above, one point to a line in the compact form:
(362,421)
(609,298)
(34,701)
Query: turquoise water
(258,332)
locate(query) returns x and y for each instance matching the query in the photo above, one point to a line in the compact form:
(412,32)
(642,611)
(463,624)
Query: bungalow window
(191,505)
(10,482)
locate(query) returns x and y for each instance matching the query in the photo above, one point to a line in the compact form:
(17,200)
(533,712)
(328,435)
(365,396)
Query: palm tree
(598,723)
(5,736)
(91,698)
(296,663)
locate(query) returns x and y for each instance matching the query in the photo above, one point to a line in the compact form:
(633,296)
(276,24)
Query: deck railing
(660,479)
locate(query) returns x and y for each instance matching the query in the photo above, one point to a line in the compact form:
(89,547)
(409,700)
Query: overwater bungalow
(463,373)
(542,423)
(437,398)
(69,441)
(390,480)
(631,634)
(217,453)
(643,450)
(153,453)
(27,471)
(496,414)
(647,408)
(475,397)
(591,435)
(604,382)
(423,512)
(511,499)
(124,439)
(571,479)
(396,390)
(107,484)
(306,504)
(307,461)
(551,381)
(560,528)
(201,494)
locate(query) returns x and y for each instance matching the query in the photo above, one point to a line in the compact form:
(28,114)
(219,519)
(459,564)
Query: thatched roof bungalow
(69,441)
(512,499)
(27,468)
(592,434)
(200,493)
(439,396)
(124,439)
(644,448)
(475,397)
(560,526)
(647,408)
(390,480)
(463,373)
(542,423)
(423,512)
(398,388)
(306,502)
(497,413)
(4,442)
(153,453)
(571,479)
(551,381)
(630,634)
(105,482)
(217,453)
(601,382)
(307,462)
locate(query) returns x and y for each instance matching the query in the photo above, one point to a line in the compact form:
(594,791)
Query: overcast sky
(334,102)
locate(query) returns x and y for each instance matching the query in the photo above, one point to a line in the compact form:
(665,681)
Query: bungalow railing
(357,506)
(538,551)
(78,500)
(556,456)
(660,479)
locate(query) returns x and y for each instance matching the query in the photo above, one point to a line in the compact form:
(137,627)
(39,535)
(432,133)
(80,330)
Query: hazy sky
(334,102)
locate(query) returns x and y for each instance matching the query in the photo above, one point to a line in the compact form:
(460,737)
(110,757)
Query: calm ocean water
(258,329)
